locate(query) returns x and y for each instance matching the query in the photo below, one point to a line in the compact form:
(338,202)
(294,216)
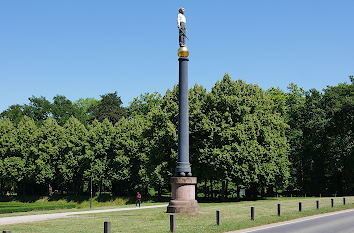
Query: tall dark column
(183,184)
(183,167)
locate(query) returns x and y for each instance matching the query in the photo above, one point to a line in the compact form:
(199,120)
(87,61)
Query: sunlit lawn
(235,215)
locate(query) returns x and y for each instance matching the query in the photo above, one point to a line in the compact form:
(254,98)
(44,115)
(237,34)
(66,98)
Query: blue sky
(86,48)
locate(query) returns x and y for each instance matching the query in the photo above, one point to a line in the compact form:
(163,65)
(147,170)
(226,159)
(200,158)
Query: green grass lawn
(36,212)
(235,215)
(11,206)
(62,202)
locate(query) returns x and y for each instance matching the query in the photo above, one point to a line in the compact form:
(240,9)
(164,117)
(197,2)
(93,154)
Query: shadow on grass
(220,200)
(57,197)
(106,197)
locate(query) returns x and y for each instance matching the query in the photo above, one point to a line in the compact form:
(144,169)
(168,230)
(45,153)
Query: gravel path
(41,217)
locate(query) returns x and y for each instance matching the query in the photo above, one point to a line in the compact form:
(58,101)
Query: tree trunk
(100,187)
(159,191)
(146,190)
(226,192)
(262,191)
(50,190)
(237,193)
(1,188)
(212,188)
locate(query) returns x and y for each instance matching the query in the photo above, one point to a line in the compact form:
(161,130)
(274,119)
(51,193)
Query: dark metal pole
(91,194)
(252,212)
(218,218)
(278,209)
(300,206)
(172,223)
(183,167)
(332,202)
(317,204)
(107,227)
(343,200)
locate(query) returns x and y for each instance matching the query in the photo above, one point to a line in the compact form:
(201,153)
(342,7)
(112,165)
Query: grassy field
(75,201)
(235,215)
(11,207)
(36,212)
(34,204)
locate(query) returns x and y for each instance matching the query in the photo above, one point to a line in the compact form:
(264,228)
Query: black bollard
(172,223)
(278,209)
(107,227)
(343,200)
(332,202)
(317,204)
(218,218)
(252,212)
(300,206)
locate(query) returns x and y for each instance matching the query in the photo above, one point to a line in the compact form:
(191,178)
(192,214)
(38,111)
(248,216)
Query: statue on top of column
(181,24)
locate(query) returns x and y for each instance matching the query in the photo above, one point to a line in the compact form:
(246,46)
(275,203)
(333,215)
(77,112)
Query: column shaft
(183,166)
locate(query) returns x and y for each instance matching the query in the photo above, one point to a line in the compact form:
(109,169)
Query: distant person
(138,199)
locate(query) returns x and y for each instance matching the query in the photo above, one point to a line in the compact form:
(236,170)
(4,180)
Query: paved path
(337,222)
(41,217)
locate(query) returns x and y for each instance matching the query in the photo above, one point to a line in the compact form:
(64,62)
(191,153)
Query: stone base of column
(183,195)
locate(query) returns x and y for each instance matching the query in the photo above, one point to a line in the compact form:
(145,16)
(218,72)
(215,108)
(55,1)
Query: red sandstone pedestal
(183,195)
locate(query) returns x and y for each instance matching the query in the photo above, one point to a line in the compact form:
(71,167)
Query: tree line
(240,137)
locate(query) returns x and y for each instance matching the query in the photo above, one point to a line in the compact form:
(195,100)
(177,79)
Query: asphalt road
(342,222)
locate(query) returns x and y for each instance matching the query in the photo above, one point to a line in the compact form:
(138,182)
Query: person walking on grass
(138,199)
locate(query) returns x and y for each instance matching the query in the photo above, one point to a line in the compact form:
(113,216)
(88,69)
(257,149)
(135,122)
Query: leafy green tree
(248,143)
(14,113)
(338,105)
(7,137)
(291,105)
(83,106)
(47,158)
(63,108)
(13,172)
(73,160)
(10,175)
(203,165)
(26,149)
(128,164)
(280,99)
(39,109)
(100,138)
(161,135)
(320,137)
(86,103)
(108,107)
(143,104)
